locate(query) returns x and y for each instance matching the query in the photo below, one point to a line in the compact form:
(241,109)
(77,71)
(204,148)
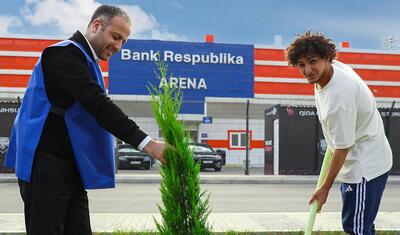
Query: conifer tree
(185,209)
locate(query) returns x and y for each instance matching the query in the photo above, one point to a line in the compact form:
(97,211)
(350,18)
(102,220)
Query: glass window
(234,140)
(238,139)
(127,150)
(243,139)
(198,148)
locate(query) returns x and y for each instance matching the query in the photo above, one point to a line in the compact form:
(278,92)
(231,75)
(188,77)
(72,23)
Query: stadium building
(217,80)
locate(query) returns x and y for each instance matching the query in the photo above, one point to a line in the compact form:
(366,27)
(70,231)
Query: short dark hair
(310,43)
(106,12)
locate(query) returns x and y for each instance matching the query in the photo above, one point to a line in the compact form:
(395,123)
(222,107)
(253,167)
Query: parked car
(129,157)
(207,157)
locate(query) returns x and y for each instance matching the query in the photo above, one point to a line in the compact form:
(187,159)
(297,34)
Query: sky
(363,23)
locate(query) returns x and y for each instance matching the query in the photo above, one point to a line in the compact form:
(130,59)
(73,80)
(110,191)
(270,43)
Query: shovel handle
(321,180)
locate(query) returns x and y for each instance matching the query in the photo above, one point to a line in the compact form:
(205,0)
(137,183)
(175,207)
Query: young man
(61,143)
(352,128)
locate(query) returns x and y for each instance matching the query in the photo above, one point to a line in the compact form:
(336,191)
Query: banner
(199,69)
(8,112)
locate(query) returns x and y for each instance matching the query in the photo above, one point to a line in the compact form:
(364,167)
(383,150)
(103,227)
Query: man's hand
(155,149)
(320,195)
(338,158)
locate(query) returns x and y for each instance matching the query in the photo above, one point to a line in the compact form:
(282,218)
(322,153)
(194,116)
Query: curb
(216,179)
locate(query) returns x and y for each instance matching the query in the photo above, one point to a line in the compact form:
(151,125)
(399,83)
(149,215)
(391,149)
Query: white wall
(147,125)
(218,130)
(225,117)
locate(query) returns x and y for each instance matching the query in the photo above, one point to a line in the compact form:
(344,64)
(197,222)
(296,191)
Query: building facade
(216,79)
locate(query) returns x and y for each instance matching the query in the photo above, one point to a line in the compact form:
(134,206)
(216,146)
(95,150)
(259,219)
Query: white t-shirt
(349,119)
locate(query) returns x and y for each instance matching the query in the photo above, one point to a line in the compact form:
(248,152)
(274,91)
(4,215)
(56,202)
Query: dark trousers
(55,201)
(361,204)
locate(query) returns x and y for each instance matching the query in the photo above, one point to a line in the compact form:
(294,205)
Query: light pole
(247,139)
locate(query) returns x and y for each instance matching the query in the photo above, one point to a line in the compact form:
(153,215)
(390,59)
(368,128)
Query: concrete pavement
(257,223)
(13,223)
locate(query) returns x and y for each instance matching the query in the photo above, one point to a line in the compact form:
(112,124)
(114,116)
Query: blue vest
(91,144)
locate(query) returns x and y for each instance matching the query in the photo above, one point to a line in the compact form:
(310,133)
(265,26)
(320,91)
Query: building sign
(272,112)
(199,70)
(207,120)
(8,112)
(204,135)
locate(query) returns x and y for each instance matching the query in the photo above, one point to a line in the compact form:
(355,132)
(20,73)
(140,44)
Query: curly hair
(310,43)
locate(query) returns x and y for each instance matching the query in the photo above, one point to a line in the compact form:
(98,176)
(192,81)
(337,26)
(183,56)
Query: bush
(185,209)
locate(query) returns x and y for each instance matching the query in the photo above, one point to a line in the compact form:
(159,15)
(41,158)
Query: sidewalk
(11,223)
(221,222)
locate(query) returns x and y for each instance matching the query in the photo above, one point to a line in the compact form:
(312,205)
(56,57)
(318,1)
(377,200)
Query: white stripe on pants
(360,207)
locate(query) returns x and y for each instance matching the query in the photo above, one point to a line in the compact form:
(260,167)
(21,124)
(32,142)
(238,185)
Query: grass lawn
(249,233)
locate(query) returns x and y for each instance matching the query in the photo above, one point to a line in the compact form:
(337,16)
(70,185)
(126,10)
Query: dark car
(207,157)
(129,157)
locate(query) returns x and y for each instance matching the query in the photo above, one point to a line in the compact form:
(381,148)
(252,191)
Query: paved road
(225,198)
(226,170)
